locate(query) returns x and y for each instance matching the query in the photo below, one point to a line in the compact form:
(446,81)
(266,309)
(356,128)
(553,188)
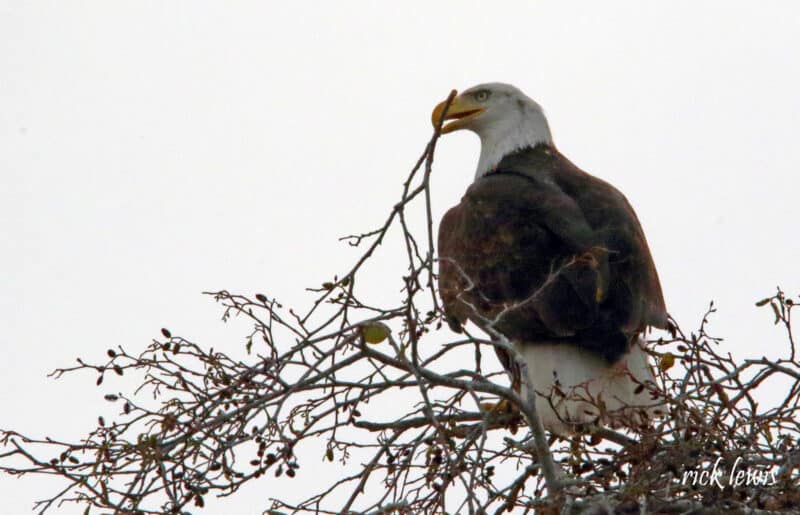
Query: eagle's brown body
(548,253)
(553,260)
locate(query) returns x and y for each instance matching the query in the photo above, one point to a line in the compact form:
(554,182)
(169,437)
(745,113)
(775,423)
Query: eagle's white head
(502,116)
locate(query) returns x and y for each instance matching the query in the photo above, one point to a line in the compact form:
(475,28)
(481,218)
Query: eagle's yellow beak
(461,110)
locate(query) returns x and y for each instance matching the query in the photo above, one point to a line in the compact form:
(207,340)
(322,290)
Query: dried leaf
(667,361)
(776,311)
(375,332)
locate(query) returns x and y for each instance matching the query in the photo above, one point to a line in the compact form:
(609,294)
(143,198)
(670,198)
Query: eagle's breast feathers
(545,252)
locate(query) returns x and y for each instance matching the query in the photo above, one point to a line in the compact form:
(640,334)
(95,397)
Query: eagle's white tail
(576,387)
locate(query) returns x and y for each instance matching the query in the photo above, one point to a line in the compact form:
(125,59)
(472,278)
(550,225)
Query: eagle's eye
(482,95)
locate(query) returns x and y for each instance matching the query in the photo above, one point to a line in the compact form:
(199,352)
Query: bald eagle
(553,259)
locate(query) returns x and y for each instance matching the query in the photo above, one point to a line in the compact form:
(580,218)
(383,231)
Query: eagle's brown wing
(543,252)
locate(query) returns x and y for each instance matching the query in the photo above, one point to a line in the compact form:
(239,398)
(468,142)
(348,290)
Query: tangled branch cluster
(404,413)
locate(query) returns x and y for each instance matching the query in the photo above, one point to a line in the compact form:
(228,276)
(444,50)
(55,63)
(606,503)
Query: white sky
(153,150)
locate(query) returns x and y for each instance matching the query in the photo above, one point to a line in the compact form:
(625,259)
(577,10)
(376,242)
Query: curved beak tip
(438,111)
(436,115)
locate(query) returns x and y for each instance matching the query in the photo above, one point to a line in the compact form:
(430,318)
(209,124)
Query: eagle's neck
(526,129)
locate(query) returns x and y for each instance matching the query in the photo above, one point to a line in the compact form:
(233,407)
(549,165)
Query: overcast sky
(153,150)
